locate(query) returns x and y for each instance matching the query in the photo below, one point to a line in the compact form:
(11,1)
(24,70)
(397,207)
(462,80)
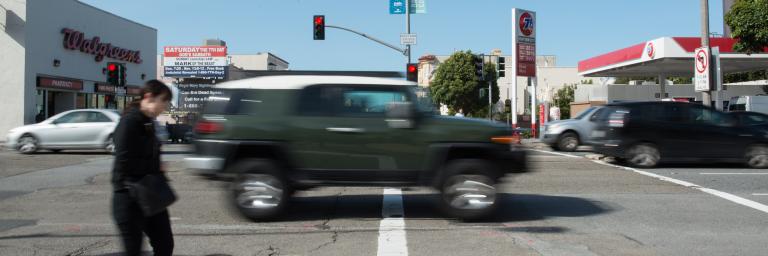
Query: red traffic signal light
(112,67)
(412,72)
(318,27)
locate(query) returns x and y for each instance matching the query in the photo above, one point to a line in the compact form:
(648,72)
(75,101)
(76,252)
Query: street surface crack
(270,251)
(84,249)
(334,238)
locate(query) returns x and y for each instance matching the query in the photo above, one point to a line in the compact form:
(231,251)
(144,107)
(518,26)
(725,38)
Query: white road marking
(392,240)
(760,194)
(734,173)
(555,153)
(721,194)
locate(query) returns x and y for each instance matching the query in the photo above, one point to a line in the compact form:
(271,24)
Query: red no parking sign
(701,63)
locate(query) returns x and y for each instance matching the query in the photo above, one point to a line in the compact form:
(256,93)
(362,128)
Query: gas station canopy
(669,56)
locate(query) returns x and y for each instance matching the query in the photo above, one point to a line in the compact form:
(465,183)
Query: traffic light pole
(401,50)
(408,26)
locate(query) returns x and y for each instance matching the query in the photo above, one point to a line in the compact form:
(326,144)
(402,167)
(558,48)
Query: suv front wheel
(259,192)
(468,190)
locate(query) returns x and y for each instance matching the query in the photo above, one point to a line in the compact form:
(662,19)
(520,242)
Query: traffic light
(318,22)
(116,74)
(113,76)
(412,72)
(121,75)
(479,73)
(507,105)
(501,66)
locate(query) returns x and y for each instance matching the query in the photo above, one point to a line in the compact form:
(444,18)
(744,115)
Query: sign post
(701,60)
(524,60)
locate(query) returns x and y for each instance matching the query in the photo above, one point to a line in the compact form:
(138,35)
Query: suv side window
(316,100)
(753,119)
(702,115)
(369,101)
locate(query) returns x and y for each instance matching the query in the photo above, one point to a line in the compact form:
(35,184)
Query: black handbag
(153,193)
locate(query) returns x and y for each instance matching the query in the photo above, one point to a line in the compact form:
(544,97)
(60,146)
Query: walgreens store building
(54,55)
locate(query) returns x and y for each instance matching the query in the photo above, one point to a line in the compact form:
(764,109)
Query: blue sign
(211,72)
(396,6)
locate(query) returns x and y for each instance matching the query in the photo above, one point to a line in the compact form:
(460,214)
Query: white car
(74,129)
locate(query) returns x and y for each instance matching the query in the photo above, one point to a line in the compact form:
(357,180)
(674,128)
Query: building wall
(12,41)
(260,61)
(33,40)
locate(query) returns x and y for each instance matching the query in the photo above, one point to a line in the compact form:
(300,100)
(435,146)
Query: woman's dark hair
(154,88)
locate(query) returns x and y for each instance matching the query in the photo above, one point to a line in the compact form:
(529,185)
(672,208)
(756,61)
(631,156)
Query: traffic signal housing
(412,72)
(318,22)
(121,76)
(479,73)
(501,66)
(116,74)
(113,76)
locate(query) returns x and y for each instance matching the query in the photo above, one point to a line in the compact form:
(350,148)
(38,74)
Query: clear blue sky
(570,29)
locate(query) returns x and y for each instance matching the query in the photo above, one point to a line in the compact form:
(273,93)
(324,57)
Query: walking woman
(137,157)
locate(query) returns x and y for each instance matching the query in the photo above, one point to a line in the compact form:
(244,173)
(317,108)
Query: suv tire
(259,191)
(468,189)
(643,155)
(757,156)
(568,142)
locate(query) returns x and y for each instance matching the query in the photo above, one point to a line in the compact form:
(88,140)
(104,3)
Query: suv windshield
(424,102)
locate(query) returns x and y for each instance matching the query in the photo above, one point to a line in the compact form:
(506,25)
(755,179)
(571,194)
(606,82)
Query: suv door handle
(345,129)
(745,135)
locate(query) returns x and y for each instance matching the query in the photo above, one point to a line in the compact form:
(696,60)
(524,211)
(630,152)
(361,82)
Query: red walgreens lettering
(74,40)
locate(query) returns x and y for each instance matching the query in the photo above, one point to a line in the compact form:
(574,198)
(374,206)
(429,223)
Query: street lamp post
(706,95)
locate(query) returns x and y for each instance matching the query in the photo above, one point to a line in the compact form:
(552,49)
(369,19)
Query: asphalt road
(567,206)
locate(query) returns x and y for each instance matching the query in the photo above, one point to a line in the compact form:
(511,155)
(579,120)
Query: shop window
(81,101)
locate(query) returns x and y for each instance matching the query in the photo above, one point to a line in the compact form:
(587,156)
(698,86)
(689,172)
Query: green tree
(456,85)
(563,99)
(748,20)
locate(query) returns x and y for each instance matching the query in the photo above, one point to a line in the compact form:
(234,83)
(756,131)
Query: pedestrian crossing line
(392,240)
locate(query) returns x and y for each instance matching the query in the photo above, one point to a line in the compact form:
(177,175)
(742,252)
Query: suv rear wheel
(568,141)
(757,156)
(643,156)
(259,192)
(468,190)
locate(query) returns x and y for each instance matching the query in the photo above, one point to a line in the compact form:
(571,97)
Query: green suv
(273,135)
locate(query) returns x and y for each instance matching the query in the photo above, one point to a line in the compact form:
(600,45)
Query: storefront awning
(669,56)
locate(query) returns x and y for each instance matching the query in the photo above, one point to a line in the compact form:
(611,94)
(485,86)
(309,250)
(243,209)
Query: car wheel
(643,155)
(468,191)
(109,145)
(757,157)
(259,192)
(569,141)
(28,144)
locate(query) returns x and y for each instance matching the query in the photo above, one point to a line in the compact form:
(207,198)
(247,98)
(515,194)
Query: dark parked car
(276,134)
(645,133)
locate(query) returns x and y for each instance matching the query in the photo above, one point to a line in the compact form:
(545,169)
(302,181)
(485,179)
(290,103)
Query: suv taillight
(208,127)
(618,118)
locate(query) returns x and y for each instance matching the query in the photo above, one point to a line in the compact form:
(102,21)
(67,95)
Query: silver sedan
(74,129)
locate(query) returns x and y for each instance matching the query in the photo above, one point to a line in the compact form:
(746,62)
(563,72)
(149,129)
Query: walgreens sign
(75,40)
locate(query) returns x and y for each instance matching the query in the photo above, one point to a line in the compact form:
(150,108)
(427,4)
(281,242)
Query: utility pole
(706,95)
(408,26)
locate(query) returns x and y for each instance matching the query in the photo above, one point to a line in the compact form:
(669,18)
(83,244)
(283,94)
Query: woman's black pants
(133,224)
